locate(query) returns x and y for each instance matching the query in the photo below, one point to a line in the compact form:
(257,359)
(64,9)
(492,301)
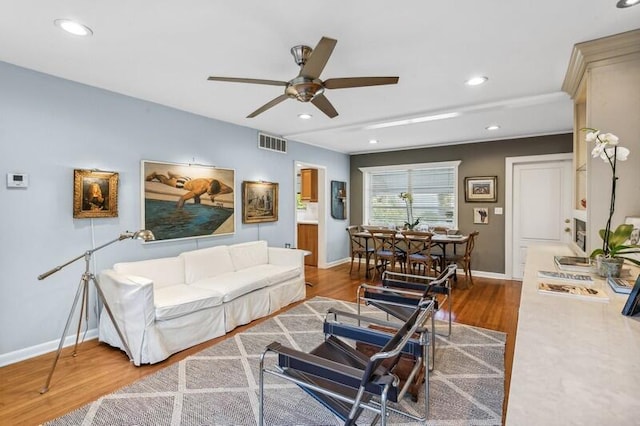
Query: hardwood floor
(99,369)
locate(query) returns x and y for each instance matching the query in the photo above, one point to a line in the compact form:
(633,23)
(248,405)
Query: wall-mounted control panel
(17,180)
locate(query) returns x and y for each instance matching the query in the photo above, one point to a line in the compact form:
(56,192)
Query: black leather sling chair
(344,380)
(401,293)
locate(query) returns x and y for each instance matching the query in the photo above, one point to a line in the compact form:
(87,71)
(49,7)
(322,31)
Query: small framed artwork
(481,215)
(632,307)
(481,189)
(95,194)
(259,202)
(338,199)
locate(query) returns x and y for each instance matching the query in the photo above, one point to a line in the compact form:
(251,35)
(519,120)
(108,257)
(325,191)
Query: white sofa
(163,306)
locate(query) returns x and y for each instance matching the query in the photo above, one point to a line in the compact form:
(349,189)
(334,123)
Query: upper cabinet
(309,185)
(603,79)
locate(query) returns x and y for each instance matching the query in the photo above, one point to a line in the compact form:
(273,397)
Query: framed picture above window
(259,202)
(95,194)
(481,189)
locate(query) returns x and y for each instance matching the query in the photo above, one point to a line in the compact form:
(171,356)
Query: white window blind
(433,188)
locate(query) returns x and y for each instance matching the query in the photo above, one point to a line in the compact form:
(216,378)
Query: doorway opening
(310,192)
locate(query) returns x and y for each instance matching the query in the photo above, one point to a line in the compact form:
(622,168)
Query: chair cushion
(178,300)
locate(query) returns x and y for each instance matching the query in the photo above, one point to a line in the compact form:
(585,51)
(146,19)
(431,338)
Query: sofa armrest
(286,257)
(130,299)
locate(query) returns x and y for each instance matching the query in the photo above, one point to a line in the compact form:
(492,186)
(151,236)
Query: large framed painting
(481,189)
(259,202)
(95,194)
(187,201)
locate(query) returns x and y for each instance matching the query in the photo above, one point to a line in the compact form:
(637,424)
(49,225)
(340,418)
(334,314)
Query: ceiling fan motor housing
(304,89)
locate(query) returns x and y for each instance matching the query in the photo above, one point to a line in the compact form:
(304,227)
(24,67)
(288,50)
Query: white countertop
(576,362)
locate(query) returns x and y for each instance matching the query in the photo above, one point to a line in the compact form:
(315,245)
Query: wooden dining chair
(386,251)
(464,260)
(418,253)
(359,248)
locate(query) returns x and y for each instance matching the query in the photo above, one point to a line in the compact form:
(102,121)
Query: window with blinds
(433,189)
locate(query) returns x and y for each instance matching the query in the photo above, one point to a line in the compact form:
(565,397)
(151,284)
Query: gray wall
(478,159)
(48,128)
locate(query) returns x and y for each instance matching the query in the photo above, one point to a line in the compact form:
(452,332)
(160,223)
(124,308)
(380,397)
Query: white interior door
(541,207)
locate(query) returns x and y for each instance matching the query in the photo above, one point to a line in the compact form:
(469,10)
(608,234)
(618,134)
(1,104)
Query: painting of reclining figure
(187,201)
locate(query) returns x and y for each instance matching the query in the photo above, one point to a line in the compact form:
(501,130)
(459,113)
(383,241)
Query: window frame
(366,181)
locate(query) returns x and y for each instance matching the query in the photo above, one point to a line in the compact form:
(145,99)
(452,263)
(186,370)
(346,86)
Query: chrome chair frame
(369,380)
(400,295)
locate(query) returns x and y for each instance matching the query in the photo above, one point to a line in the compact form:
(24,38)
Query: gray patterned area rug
(219,385)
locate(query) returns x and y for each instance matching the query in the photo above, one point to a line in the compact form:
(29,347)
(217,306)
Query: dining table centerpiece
(408,201)
(615,246)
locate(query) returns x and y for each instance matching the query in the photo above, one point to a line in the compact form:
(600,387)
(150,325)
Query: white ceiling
(163,51)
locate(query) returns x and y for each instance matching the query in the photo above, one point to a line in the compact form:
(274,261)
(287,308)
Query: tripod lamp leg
(81,288)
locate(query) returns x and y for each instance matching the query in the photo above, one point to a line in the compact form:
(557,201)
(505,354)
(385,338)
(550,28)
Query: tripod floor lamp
(83,289)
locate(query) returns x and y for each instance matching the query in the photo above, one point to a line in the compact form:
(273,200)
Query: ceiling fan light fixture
(626,3)
(476,81)
(304,89)
(73,27)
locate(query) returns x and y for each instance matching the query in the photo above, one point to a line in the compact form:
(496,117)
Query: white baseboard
(334,263)
(483,274)
(43,348)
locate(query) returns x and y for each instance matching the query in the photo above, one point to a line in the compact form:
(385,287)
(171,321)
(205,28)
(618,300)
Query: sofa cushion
(163,272)
(235,284)
(178,300)
(277,274)
(246,255)
(205,263)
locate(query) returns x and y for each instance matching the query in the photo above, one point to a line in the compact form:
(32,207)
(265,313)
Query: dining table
(437,240)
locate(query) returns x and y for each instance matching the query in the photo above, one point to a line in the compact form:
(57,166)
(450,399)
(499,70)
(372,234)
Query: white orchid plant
(607,148)
(408,200)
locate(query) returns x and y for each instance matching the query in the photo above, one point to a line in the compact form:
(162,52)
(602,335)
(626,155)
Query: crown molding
(615,48)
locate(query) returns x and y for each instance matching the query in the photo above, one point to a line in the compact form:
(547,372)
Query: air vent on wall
(272,143)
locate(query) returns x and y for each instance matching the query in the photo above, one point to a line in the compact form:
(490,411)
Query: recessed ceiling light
(492,127)
(73,27)
(476,81)
(626,3)
(413,120)
(304,116)
(373,141)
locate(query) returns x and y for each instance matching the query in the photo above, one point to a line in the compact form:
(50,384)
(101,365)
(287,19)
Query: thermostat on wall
(17,180)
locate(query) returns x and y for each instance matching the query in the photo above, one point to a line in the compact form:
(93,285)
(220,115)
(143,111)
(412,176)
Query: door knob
(567,229)
(567,220)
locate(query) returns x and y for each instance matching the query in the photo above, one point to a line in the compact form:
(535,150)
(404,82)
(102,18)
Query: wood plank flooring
(99,369)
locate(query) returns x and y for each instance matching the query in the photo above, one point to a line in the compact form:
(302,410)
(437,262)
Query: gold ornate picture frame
(259,202)
(95,194)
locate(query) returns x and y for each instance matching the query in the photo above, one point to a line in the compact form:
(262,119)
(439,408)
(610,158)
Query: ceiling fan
(307,86)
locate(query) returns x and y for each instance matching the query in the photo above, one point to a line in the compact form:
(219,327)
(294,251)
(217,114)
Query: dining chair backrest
(384,240)
(440,229)
(417,242)
(371,227)
(471,242)
(356,242)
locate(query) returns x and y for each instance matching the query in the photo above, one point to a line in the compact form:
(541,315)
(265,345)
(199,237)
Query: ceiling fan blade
(345,83)
(318,58)
(323,104)
(249,80)
(268,105)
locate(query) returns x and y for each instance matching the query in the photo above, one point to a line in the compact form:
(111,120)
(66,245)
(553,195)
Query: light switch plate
(497,210)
